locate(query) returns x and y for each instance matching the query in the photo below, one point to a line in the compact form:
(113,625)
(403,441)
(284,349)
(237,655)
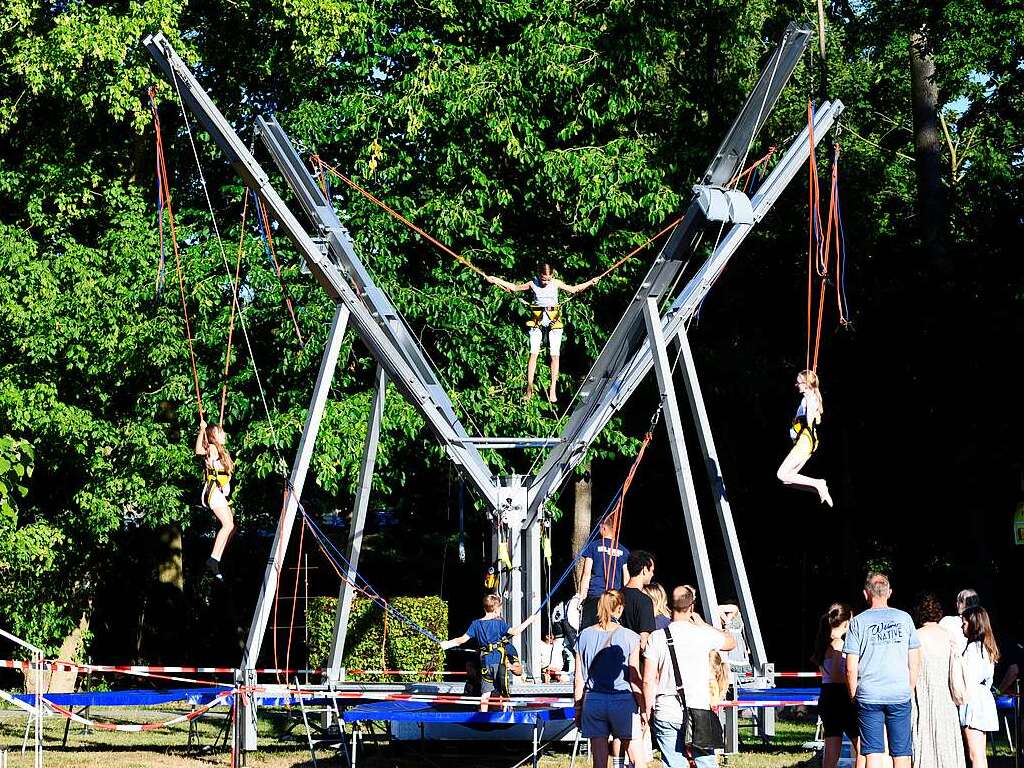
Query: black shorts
(588,612)
(837,712)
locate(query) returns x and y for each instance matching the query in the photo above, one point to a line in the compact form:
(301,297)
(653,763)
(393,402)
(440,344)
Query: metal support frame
(733,551)
(681,462)
(36,711)
(293,494)
(638,343)
(355,534)
(519,585)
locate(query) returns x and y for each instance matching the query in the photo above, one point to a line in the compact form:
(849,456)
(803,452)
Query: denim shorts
(608,714)
(875,720)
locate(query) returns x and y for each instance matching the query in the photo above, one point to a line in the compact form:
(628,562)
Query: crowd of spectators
(648,671)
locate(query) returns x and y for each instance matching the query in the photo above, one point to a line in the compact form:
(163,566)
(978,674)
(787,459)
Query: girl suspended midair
(804,434)
(546,316)
(218,468)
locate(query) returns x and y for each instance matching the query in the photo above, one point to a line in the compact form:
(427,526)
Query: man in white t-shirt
(692,642)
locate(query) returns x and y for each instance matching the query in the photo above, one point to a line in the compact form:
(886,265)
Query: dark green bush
(368,646)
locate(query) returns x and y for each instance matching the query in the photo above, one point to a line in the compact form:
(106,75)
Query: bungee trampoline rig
(655,319)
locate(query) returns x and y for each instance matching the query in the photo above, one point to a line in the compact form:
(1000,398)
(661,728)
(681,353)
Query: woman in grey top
(608,692)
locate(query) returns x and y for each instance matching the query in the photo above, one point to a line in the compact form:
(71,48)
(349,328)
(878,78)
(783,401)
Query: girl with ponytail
(608,693)
(218,468)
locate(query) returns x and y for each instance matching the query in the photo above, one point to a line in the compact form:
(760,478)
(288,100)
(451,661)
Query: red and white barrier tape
(66,666)
(17,702)
(138,727)
(767,703)
(425,698)
(749,675)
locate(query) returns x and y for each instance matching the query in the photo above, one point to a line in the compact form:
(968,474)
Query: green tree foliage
(518,132)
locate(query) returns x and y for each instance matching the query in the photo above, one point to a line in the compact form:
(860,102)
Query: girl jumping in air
(804,433)
(546,315)
(219,466)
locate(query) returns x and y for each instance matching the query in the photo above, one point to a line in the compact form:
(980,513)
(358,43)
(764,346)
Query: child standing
(498,657)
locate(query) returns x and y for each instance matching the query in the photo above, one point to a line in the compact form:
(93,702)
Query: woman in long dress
(935,723)
(978,715)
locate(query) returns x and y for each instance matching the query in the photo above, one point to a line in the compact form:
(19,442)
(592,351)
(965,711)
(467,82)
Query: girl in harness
(546,315)
(804,434)
(218,467)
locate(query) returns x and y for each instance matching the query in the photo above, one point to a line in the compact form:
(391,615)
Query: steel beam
(503,443)
(602,394)
(681,463)
(733,552)
(429,401)
(609,387)
(286,520)
(355,534)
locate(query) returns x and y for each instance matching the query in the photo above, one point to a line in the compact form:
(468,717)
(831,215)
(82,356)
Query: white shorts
(554,340)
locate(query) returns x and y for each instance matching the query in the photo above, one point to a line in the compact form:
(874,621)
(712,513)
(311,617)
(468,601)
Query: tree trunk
(582,517)
(169,567)
(61,681)
(924,95)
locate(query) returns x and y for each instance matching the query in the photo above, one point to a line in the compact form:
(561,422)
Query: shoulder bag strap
(680,695)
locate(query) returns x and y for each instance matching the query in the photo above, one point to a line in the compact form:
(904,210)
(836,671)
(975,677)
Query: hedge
(367,647)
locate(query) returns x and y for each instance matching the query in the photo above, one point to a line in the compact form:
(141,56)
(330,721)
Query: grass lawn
(281,749)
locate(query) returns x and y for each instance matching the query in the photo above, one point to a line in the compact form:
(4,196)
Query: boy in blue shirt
(498,657)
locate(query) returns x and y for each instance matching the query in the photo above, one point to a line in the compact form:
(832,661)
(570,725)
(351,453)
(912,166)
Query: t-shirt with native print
(882,639)
(487,632)
(601,552)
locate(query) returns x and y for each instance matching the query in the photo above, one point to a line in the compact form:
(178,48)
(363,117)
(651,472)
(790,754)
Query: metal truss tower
(654,320)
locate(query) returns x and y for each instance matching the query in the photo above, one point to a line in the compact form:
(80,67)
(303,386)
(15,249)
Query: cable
(224,258)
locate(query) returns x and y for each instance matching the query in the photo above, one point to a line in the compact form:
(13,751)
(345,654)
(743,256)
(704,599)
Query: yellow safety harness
(800,427)
(538,316)
(501,679)
(215,478)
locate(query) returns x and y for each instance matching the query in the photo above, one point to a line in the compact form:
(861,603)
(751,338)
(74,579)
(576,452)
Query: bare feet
(823,494)
(529,393)
(552,397)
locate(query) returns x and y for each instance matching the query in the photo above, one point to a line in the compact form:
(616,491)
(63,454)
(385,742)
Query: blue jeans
(874,720)
(669,741)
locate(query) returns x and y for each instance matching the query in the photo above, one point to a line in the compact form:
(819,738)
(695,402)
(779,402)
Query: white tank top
(544,295)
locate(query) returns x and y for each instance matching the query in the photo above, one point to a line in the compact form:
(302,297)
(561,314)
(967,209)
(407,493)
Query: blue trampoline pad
(777,694)
(420,712)
(807,694)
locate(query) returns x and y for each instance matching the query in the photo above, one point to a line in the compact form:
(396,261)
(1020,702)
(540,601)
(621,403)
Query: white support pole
(38,658)
(509,521)
(285,523)
(681,462)
(725,519)
(35,720)
(355,535)
(530,537)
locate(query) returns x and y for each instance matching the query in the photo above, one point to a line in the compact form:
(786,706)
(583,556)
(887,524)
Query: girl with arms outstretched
(546,316)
